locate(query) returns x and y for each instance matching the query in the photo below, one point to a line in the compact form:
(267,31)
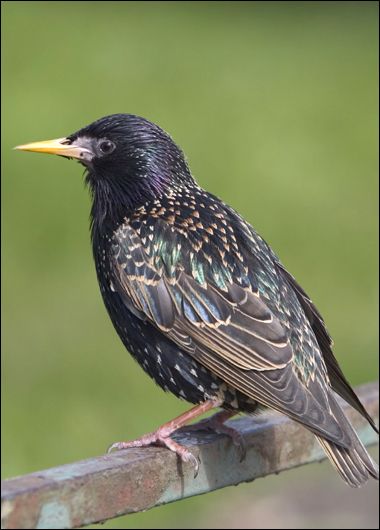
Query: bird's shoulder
(194,231)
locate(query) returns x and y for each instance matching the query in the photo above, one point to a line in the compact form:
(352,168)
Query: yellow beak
(60,146)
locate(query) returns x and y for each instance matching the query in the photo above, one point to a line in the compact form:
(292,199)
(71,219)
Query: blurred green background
(275,105)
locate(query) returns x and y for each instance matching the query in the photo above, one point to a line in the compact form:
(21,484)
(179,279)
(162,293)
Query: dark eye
(106,146)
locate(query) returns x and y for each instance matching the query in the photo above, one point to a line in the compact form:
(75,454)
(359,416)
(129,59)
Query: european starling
(200,299)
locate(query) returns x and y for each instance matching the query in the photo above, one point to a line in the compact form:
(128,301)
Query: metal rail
(133,480)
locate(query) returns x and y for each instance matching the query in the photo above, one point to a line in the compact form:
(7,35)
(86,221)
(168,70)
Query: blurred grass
(275,104)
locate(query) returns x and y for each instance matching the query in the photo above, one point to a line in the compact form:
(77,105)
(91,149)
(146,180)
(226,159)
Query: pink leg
(216,423)
(162,435)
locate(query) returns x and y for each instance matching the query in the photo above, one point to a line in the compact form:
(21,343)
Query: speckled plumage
(200,300)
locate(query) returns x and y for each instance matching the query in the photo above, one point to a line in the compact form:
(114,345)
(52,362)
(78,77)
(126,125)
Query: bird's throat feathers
(117,196)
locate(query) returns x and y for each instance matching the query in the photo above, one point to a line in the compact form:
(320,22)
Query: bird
(200,300)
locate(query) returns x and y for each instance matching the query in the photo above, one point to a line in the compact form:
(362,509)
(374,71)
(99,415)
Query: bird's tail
(353,463)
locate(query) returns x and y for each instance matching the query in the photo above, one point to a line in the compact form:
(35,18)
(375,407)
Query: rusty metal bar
(133,480)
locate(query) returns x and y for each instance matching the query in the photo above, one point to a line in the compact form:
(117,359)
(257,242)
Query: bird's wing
(336,376)
(231,331)
(235,322)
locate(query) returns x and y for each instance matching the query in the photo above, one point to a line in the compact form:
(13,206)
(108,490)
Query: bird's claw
(240,445)
(193,460)
(156,439)
(115,446)
(237,440)
(214,425)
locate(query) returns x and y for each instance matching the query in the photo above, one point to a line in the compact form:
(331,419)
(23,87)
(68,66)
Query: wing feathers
(231,331)
(337,378)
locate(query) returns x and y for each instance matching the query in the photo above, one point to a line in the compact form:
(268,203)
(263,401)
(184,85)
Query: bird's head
(129,161)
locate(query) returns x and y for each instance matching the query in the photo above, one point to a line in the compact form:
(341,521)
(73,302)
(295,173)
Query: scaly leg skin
(216,423)
(162,435)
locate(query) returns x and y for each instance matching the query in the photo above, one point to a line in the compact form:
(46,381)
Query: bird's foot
(162,438)
(216,424)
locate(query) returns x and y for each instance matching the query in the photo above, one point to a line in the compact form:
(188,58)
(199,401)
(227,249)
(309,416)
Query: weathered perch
(133,480)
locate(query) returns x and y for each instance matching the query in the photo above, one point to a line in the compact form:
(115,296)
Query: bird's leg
(216,423)
(162,435)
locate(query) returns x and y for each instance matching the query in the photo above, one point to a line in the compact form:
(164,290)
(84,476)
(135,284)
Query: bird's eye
(106,146)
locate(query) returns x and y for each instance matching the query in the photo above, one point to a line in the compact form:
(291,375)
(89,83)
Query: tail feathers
(354,463)
(351,460)
(343,388)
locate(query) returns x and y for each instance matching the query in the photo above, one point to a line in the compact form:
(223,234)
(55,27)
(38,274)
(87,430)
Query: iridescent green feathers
(221,295)
(195,293)
(217,293)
